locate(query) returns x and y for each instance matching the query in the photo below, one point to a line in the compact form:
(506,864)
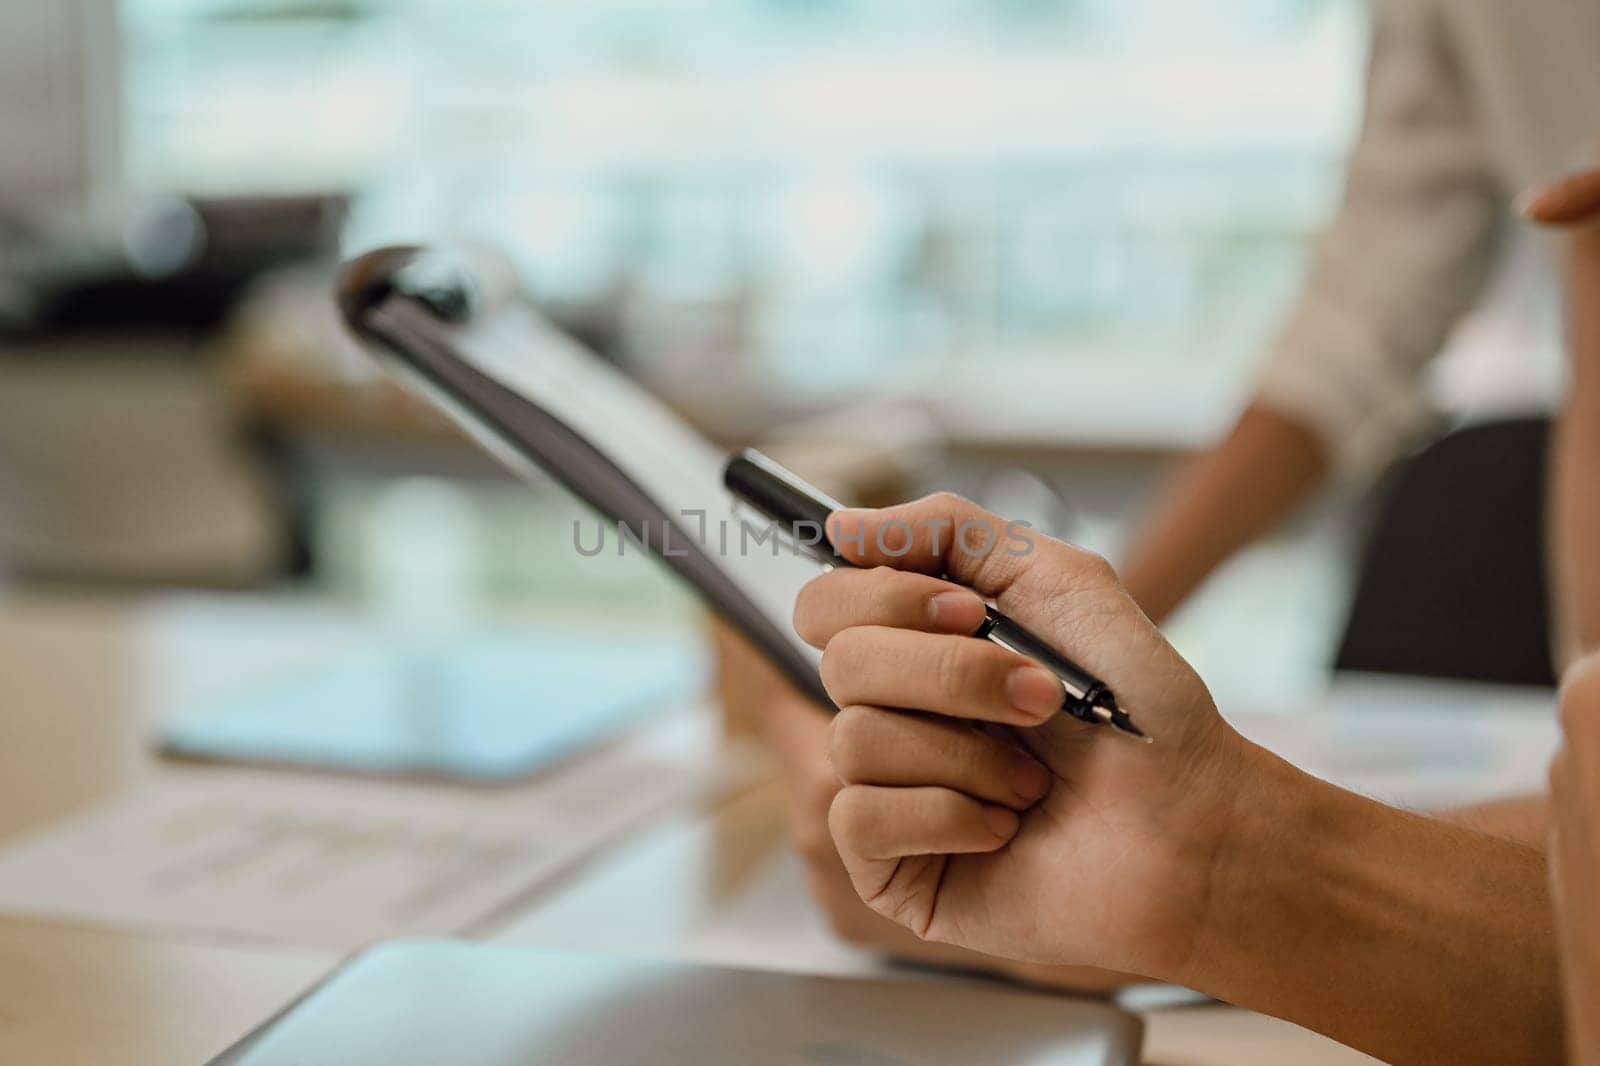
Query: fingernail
(1526,202)
(1002,821)
(1035,691)
(1030,780)
(956,612)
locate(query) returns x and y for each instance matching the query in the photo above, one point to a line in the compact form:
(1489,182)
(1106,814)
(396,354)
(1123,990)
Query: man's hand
(1575,857)
(1573,205)
(974,814)
(1573,202)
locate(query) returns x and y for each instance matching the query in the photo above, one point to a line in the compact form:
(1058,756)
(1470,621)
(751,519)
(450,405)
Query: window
(801,194)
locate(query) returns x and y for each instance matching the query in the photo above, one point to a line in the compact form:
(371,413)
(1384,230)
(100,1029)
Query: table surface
(78,678)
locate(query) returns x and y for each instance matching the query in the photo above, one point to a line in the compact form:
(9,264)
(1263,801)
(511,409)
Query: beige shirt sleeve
(1404,258)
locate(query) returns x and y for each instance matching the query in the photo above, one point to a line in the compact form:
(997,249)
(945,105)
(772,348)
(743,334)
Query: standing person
(1468,103)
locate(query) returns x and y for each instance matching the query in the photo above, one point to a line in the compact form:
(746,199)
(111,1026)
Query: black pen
(785,499)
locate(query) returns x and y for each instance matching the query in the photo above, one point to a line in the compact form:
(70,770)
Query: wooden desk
(83,997)
(71,735)
(77,677)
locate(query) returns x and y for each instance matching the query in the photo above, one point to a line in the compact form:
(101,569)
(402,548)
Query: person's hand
(1572,202)
(1572,205)
(797,732)
(1026,835)
(1575,856)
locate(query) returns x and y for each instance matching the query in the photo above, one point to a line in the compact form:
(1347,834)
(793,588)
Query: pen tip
(1124,723)
(1106,712)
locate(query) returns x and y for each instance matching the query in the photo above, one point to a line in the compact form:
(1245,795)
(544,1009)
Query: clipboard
(546,407)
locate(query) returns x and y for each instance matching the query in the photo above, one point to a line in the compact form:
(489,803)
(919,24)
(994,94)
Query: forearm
(1411,939)
(1523,819)
(1576,862)
(1575,856)
(1219,503)
(1575,503)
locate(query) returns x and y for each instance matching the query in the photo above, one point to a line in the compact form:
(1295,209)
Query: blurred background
(766,210)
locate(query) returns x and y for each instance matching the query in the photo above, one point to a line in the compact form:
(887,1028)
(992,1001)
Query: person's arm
(1574,500)
(1574,204)
(1220,502)
(1522,819)
(988,820)
(1575,858)
(1411,939)
(1404,257)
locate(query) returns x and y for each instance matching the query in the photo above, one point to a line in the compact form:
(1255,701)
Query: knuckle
(850,740)
(962,667)
(946,808)
(950,668)
(845,817)
(944,507)
(839,657)
(1095,567)
(889,590)
(813,606)
(952,502)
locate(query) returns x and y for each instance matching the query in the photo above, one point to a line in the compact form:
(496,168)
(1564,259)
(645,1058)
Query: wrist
(1332,911)
(1270,808)
(1209,832)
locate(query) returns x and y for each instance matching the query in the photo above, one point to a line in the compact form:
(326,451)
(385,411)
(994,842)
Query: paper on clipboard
(540,403)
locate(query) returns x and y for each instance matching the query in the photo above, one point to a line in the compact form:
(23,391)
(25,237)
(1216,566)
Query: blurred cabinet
(119,462)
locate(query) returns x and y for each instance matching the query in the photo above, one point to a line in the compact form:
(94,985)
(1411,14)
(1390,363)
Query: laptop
(455,1003)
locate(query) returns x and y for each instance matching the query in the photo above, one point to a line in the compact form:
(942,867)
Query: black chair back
(1453,584)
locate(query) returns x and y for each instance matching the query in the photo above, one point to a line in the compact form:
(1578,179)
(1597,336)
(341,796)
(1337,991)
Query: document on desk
(1418,745)
(338,863)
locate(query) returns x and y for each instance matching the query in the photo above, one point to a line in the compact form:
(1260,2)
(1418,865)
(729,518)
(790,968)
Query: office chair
(1453,583)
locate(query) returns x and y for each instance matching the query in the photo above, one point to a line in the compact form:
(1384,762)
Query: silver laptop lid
(436,1002)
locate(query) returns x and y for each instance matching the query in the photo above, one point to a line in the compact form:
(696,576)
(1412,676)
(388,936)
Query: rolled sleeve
(1405,257)
(1331,375)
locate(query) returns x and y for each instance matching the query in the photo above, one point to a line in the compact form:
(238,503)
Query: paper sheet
(338,863)
(1418,745)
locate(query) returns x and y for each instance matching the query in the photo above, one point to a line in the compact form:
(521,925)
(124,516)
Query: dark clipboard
(540,403)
